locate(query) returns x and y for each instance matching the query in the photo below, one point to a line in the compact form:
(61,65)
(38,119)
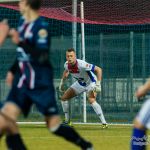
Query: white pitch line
(80,123)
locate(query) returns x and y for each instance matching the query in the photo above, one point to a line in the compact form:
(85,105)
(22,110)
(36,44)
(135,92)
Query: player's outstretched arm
(64,77)
(98,72)
(13,33)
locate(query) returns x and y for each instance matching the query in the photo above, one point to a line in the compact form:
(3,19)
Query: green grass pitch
(37,137)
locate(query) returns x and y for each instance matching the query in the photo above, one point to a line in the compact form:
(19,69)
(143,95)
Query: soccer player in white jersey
(139,138)
(88,78)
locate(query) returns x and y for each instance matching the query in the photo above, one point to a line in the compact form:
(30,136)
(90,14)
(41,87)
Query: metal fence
(124,58)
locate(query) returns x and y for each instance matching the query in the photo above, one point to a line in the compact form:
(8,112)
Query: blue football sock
(138,141)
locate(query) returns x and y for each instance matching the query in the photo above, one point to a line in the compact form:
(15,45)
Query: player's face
(71,57)
(23,7)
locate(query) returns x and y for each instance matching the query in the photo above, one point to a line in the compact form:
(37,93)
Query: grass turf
(38,138)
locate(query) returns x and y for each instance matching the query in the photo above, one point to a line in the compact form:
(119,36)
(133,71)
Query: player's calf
(13,138)
(71,135)
(3,125)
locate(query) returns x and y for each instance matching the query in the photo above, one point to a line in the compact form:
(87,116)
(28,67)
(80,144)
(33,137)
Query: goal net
(117,35)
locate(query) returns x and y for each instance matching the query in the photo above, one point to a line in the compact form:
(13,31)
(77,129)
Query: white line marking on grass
(80,123)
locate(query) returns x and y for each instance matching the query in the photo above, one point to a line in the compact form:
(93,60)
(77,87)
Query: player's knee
(53,123)
(53,129)
(138,124)
(7,125)
(91,100)
(63,98)
(8,117)
(70,93)
(3,124)
(11,111)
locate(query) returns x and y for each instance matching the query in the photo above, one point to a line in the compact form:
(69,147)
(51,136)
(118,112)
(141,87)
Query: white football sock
(65,106)
(97,108)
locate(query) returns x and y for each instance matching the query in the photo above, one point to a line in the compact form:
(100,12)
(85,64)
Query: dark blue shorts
(44,99)
(43,95)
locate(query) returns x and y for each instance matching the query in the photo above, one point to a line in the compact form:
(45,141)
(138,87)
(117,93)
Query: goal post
(83,56)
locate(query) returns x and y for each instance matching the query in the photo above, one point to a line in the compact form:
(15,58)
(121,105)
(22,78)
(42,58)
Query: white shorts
(144,114)
(80,89)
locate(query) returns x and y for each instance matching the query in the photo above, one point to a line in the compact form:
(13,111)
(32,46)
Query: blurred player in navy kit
(140,139)
(31,80)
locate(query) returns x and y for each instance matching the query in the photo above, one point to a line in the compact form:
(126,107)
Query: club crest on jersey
(42,33)
(42,36)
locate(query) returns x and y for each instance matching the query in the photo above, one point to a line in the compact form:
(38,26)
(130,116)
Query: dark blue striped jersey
(33,77)
(34,41)
(32,52)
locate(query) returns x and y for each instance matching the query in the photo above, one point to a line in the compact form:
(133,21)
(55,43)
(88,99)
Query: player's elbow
(98,69)
(147,85)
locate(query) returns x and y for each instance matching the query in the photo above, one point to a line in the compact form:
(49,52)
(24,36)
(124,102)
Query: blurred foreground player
(31,80)
(142,120)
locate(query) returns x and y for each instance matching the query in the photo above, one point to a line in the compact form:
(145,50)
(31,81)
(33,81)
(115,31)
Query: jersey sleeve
(87,66)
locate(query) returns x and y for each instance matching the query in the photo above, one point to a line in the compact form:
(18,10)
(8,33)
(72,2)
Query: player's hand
(4,30)
(9,78)
(98,86)
(14,36)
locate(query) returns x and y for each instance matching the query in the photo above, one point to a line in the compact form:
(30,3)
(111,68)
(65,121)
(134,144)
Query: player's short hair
(70,50)
(34,4)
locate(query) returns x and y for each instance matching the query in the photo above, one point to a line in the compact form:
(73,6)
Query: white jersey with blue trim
(82,71)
